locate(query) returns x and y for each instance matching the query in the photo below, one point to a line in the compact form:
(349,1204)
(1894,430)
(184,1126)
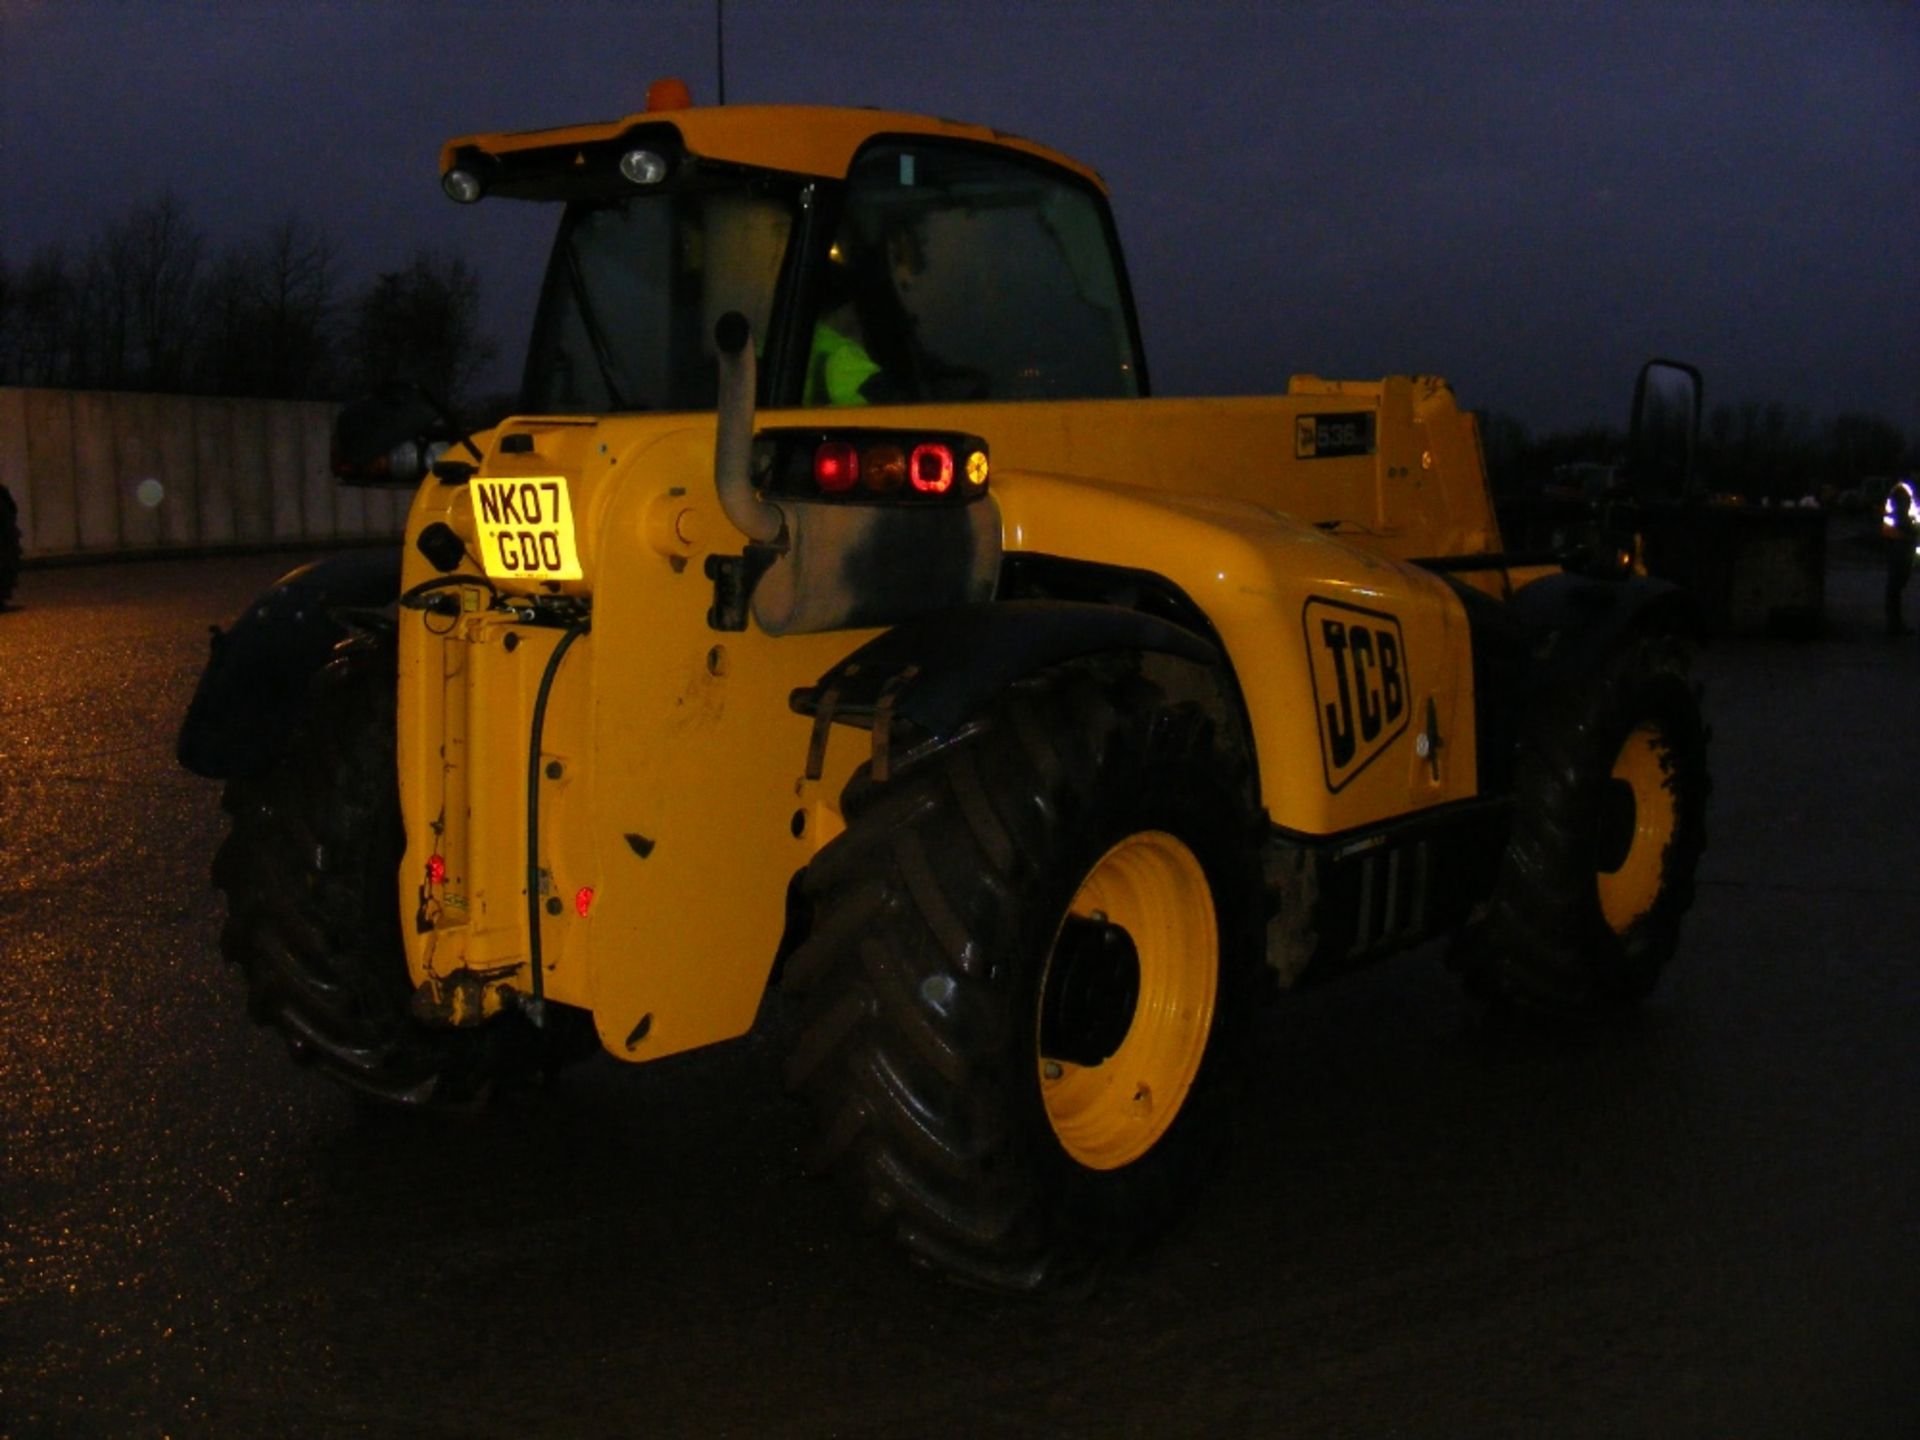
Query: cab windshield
(961,273)
(635,285)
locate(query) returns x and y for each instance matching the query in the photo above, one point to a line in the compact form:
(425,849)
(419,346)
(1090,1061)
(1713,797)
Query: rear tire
(310,869)
(1031,951)
(1609,824)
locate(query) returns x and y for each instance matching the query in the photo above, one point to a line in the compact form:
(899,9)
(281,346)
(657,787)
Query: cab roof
(816,140)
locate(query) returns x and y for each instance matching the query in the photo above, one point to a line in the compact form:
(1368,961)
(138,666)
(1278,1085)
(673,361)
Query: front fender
(254,687)
(1280,597)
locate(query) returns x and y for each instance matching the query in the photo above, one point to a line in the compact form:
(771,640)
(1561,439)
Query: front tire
(310,869)
(1609,824)
(1030,954)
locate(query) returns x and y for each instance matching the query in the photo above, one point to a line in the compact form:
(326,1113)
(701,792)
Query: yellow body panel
(672,768)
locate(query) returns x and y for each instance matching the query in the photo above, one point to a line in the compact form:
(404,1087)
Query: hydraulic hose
(537,1009)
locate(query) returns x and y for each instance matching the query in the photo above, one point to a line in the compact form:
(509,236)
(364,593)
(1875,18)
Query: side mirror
(391,437)
(1665,433)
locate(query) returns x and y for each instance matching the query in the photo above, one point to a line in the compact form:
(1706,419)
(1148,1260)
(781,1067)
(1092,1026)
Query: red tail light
(931,469)
(836,466)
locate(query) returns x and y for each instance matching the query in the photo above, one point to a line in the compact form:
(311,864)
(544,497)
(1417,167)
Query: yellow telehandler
(838,614)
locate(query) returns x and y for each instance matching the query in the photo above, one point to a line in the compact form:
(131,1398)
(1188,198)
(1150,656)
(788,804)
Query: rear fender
(1553,634)
(254,688)
(1570,623)
(940,670)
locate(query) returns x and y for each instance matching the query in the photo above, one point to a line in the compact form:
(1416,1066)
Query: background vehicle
(839,614)
(9,545)
(1748,566)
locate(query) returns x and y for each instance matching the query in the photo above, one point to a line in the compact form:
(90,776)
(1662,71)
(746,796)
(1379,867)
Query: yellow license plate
(526,528)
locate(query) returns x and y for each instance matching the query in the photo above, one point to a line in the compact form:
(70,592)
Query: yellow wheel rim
(1630,875)
(1149,892)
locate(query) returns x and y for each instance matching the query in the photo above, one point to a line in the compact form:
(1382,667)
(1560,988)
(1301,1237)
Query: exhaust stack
(733,440)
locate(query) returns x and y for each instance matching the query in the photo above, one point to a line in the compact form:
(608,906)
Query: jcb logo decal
(1360,684)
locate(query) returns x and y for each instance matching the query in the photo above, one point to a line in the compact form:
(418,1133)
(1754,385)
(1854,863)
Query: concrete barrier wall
(105,472)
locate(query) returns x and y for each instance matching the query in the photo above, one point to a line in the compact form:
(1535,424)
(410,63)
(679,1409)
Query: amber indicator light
(884,468)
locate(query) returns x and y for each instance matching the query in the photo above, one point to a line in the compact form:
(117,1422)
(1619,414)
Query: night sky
(1527,199)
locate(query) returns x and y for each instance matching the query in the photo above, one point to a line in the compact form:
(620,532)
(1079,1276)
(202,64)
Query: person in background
(1900,529)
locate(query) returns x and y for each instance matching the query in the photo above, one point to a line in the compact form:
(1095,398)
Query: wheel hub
(1638,819)
(1615,838)
(1093,987)
(1126,1001)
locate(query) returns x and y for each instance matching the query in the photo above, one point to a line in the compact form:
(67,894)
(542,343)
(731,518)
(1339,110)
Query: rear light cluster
(871,466)
(840,466)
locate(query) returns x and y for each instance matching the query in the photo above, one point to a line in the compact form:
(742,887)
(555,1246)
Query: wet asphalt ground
(1704,1224)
